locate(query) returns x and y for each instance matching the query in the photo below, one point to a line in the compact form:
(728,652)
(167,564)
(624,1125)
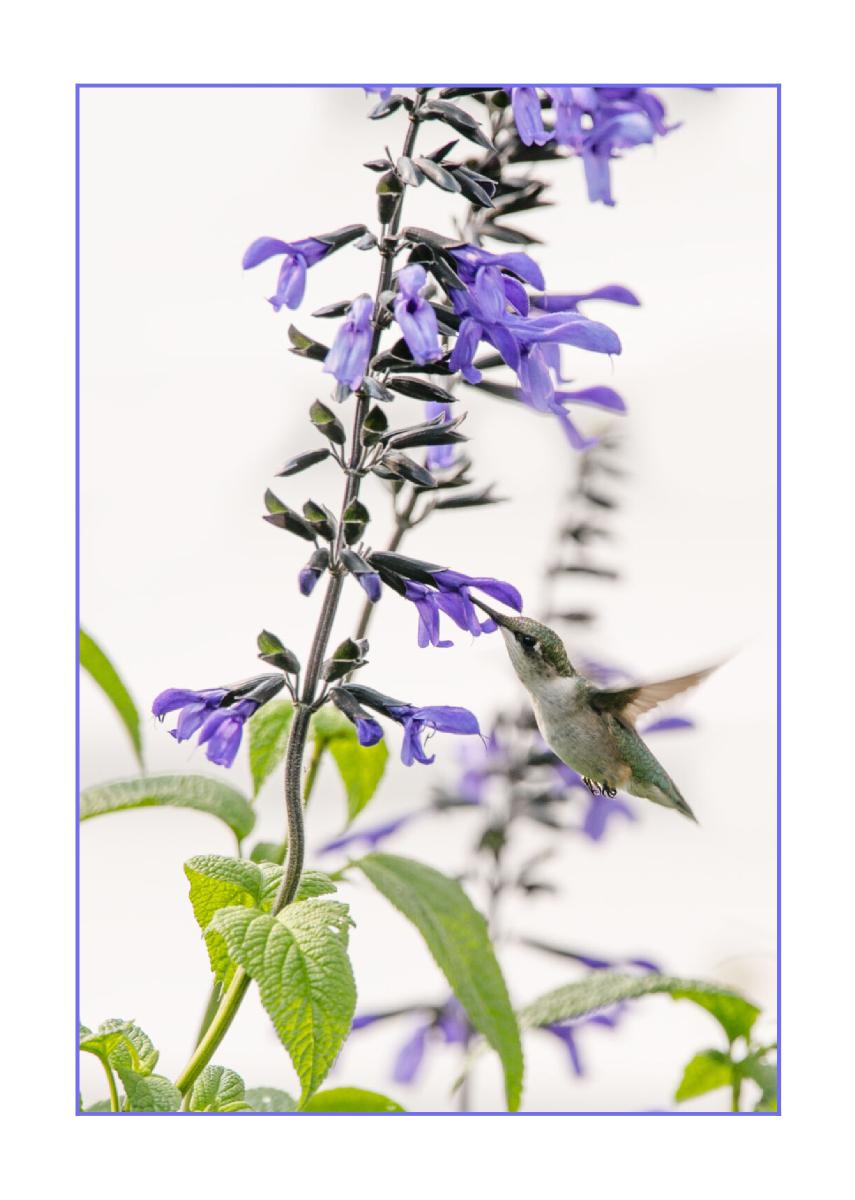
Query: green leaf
(219,882)
(268,740)
(150,1093)
(270,1100)
(735,1014)
(122,1045)
(765,1075)
(347,1099)
(218,1090)
(269,852)
(457,937)
(361,767)
(707,1071)
(171,791)
(95,661)
(299,960)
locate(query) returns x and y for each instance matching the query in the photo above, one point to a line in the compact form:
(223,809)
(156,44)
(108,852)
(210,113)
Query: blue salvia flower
(439,458)
(447,1024)
(299,256)
(348,357)
(528,117)
(218,714)
(371,837)
(416,721)
(415,316)
(567,1032)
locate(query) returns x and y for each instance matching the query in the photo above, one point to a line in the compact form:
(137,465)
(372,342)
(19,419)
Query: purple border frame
(79,87)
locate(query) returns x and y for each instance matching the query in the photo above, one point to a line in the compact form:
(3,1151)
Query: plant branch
(304,706)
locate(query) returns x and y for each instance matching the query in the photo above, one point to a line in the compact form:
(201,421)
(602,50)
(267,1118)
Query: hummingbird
(591,729)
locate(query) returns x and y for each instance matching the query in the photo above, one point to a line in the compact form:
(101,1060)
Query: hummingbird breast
(578,734)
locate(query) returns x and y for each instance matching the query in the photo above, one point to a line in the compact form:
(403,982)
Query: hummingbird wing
(630,703)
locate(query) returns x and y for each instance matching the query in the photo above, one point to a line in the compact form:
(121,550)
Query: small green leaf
(765,1075)
(735,1014)
(299,961)
(218,1090)
(171,791)
(268,740)
(95,661)
(361,767)
(122,1045)
(707,1071)
(457,937)
(150,1093)
(269,852)
(347,1099)
(218,882)
(108,1035)
(270,1100)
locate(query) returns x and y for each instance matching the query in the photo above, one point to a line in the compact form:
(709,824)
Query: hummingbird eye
(527,642)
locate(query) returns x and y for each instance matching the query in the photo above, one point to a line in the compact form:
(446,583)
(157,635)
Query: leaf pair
(124,1048)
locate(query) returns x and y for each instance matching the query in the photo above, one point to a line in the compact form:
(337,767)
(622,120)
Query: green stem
(210,1010)
(216,1031)
(111,1083)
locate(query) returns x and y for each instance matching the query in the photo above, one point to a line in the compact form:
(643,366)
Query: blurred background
(190,403)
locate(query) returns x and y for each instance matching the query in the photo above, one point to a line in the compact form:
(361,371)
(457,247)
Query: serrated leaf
(268,740)
(299,960)
(218,1090)
(360,767)
(457,936)
(707,1071)
(270,1100)
(105,1039)
(150,1093)
(347,1099)
(95,661)
(734,1013)
(217,881)
(171,791)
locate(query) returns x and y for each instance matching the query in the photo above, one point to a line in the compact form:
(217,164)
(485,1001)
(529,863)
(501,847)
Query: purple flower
(528,117)
(383,90)
(195,707)
(368,731)
(219,713)
(452,597)
(313,570)
(569,302)
(223,731)
(567,1031)
(439,458)
(299,256)
(437,718)
(348,358)
(409,1058)
(667,723)
(619,132)
(372,837)
(470,258)
(447,1024)
(415,721)
(415,316)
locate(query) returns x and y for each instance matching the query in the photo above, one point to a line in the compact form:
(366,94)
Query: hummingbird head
(536,652)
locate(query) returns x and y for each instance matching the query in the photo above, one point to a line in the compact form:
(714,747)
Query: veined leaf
(734,1013)
(299,961)
(218,1090)
(361,767)
(120,1044)
(219,882)
(171,791)
(149,1093)
(347,1099)
(270,1100)
(95,661)
(457,937)
(268,740)
(707,1071)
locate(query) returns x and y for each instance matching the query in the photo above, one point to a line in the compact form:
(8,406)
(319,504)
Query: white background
(190,403)
(98,41)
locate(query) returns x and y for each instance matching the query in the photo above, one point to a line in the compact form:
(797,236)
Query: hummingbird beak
(500,619)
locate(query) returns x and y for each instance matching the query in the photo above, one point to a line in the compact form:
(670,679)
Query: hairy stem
(304,706)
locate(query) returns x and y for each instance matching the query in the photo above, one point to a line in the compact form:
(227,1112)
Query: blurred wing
(631,703)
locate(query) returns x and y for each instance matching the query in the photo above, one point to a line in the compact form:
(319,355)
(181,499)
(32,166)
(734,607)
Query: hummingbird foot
(598,789)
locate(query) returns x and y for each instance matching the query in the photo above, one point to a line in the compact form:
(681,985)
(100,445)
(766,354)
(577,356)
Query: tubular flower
(415,721)
(415,316)
(219,714)
(525,103)
(298,257)
(348,358)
